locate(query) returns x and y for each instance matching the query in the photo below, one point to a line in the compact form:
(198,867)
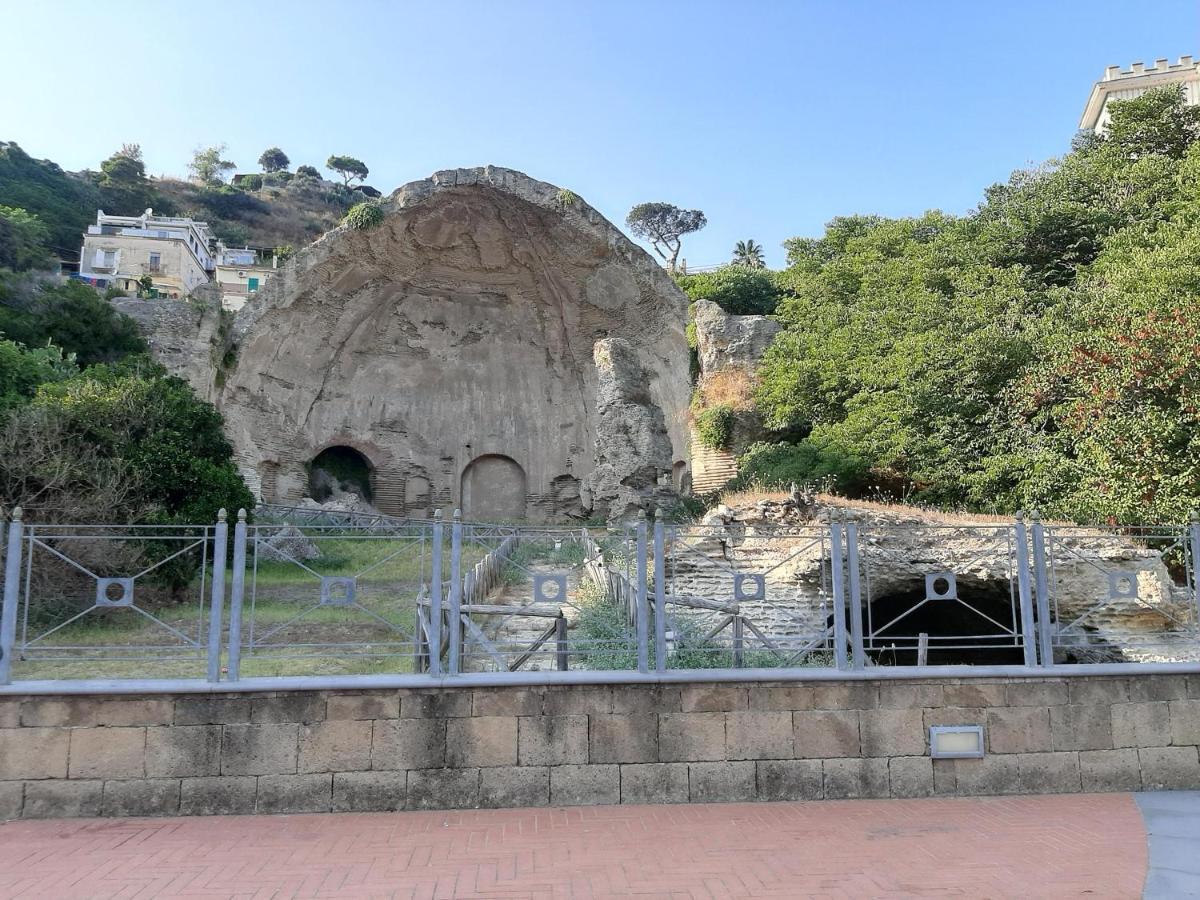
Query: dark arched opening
(973,628)
(339,470)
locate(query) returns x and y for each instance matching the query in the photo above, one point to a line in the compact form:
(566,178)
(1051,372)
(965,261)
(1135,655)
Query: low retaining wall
(316,751)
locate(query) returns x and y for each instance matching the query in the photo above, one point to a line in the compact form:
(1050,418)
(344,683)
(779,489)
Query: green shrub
(253,182)
(71,315)
(277,179)
(308,172)
(714,426)
(777,466)
(738,290)
(364,216)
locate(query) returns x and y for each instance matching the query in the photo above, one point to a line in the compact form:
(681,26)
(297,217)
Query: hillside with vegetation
(1041,352)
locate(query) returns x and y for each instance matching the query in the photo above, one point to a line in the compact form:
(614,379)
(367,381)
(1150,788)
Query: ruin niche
(458,341)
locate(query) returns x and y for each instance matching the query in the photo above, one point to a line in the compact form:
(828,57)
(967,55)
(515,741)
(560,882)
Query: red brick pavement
(1051,846)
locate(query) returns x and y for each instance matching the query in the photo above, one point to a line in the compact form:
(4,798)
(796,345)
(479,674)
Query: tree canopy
(348,167)
(749,254)
(664,226)
(274,160)
(208,165)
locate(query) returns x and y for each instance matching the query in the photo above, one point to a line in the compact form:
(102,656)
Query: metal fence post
(237,593)
(217,598)
(660,596)
(12,596)
(858,651)
(642,622)
(1042,580)
(454,658)
(435,598)
(839,594)
(1194,541)
(1024,592)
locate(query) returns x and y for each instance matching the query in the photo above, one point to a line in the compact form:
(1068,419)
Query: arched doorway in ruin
(493,488)
(338,470)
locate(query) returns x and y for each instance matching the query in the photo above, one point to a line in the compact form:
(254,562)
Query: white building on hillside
(176,253)
(1125,85)
(241,272)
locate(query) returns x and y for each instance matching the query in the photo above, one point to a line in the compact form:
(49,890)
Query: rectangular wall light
(956,741)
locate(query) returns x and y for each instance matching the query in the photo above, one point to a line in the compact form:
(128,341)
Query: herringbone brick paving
(1041,846)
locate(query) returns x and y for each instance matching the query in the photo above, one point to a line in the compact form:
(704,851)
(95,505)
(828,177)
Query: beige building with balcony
(1119,84)
(176,253)
(240,273)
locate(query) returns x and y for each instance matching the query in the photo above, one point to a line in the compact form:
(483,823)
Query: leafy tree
(1159,122)
(738,290)
(23,370)
(70,315)
(749,254)
(274,160)
(664,226)
(23,240)
(124,188)
(348,167)
(308,171)
(208,165)
(64,203)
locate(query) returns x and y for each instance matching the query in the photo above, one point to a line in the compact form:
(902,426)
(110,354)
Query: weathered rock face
(724,341)
(452,346)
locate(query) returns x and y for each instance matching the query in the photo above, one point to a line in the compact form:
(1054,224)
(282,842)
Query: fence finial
(1035,515)
(221,515)
(1020,516)
(1194,517)
(18,514)
(437,513)
(242,516)
(458,515)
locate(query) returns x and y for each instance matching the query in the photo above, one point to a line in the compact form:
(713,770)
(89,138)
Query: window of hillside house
(155,261)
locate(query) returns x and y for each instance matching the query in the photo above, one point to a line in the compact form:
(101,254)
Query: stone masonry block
(1074,727)
(789,779)
(62,799)
(959,715)
(760,734)
(12,796)
(781,697)
(975,694)
(1185,721)
(79,712)
(295,793)
(1049,773)
(259,749)
(482,741)
(577,701)
(654,783)
(689,737)
(222,795)
(186,751)
(211,710)
(826,733)
(285,708)
(1163,769)
(892,732)
(1037,693)
(852,779)
(378,705)
(1110,770)
(846,695)
(443,788)
(714,697)
(1145,724)
(909,695)
(994,774)
(338,746)
(585,785)
(1018,729)
(506,702)
(369,791)
(1143,688)
(510,787)
(623,739)
(141,797)
(911,776)
(108,753)
(637,698)
(10,712)
(723,782)
(1193,687)
(552,740)
(408,744)
(435,705)
(33,753)
(945,782)
(1100,691)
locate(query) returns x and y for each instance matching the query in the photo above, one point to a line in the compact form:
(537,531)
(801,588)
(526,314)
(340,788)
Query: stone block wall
(325,751)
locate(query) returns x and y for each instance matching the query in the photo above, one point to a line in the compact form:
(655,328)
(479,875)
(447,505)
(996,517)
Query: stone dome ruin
(495,344)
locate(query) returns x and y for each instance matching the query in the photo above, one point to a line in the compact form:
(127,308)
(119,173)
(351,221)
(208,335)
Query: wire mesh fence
(348,595)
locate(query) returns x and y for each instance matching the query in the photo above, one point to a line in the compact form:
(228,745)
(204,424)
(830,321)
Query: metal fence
(303,593)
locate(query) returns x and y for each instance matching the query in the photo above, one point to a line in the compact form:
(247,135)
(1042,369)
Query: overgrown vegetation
(738,289)
(714,426)
(364,216)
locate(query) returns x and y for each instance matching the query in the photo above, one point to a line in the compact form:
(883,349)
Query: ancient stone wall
(316,751)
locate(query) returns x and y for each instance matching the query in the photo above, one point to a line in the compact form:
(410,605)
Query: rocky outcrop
(724,341)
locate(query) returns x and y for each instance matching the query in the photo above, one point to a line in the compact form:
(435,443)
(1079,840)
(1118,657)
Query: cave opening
(339,470)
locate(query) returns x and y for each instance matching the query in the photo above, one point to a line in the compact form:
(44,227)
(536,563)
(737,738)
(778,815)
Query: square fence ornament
(749,587)
(557,585)
(1122,586)
(114,592)
(337,590)
(941,586)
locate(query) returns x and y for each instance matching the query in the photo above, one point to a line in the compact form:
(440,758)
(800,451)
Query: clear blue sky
(772,117)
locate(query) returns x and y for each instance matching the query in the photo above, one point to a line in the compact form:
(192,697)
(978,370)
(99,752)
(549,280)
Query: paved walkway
(1056,846)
